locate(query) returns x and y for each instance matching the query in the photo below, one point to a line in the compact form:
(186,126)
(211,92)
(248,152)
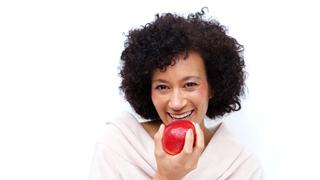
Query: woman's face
(182,91)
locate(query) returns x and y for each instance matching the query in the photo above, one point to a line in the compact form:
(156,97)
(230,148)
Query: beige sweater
(126,151)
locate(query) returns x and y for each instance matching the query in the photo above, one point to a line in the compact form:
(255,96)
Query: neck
(208,134)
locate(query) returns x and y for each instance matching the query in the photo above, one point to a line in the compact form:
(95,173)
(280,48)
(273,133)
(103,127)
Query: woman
(177,68)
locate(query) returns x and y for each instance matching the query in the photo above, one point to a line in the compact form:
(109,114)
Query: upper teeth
(181,116)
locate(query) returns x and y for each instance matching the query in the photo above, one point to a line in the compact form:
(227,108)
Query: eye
(162,87)
(190,84)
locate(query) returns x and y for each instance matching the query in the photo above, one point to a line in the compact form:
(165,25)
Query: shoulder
(117,126)
(119,148)
(247,166)
(245,163)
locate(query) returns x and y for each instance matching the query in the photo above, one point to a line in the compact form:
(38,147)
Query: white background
(59,81)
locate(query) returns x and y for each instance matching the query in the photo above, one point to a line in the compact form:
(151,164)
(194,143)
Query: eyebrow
(183,79)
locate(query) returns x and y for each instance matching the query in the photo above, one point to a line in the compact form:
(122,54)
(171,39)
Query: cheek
(203,91)
(201,98)
(156,100)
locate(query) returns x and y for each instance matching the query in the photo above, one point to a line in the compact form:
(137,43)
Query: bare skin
(176,167)
(180,92)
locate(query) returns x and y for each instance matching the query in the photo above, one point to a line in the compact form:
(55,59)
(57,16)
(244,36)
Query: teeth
(181,116)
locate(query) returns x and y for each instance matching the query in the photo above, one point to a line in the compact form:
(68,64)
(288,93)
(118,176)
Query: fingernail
(197,125)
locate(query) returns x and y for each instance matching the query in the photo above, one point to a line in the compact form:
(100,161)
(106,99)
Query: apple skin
(174,136)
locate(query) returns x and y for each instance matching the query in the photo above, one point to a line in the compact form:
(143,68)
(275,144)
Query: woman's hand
(177,166)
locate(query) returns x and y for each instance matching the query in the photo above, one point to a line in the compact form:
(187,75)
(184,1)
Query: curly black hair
(157,44)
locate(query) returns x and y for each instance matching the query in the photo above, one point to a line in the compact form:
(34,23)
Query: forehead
(192,65)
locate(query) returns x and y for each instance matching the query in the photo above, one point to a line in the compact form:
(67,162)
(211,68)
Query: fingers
(188,143)
(199,146)
(199,140)
(158,141)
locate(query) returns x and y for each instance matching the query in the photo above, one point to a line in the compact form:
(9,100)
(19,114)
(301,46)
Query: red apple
(174,136)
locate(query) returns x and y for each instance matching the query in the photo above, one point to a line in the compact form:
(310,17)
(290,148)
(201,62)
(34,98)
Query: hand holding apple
(174,136)
(187,154)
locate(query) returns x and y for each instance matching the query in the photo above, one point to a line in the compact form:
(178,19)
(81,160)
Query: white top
(126,151)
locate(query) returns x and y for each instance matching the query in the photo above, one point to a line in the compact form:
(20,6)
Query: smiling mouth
(180,116)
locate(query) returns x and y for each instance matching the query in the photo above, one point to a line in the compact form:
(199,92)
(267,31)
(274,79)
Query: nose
(177,100)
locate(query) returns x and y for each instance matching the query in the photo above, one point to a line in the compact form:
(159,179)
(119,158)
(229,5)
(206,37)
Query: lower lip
(187,118)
